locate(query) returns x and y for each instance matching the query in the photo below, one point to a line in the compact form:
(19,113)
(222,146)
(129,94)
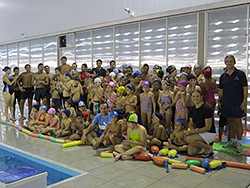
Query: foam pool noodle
(193,162)
(76,143)
(106,155)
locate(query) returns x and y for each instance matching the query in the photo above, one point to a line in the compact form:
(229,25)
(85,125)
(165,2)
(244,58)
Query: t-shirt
(101,122)
(232,86)
(200,114)
(101,71)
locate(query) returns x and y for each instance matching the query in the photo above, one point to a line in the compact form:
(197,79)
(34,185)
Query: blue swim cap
(67,75)
(157,80)
(66,112)
(137,73)
(125,65)
(181,121)
(6,68)
(114,113)
(131,87)
(43,107)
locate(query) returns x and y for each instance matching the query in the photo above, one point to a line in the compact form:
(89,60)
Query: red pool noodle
(228,163)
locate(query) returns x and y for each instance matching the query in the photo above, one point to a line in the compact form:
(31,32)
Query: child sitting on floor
(119,106)
(42,120)
(33,117)
(159,132)
(66,124)
(112,133)
(54,123)
(178,138)
(78,127)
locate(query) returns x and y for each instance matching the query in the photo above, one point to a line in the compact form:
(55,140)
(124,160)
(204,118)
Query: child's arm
(191,124)
(186,99)
(103,136)
(118,132)
(134,103)
(176,97)
(159,99)
(153,101)
(67,125)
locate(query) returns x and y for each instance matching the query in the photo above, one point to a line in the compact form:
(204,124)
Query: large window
(35,54)
(226,35)
(182,40)
(153,43)
(12,55)
(103,46)
(127,45)
(50,52)
(23,55)
(83,49)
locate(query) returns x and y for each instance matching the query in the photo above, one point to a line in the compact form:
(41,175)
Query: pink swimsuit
(208,96)
(56,125)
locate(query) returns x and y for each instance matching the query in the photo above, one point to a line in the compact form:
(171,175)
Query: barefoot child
(147,106)
(112,133)
(55,94)
(119,105)
(42,120)
(180,101)
(159,132)
(33,117)
(68,105)
(54,122)
(110,95)
(156,91)
(135,142)
(78,127)
(97,92)
(76,92)
(165,103)
(66,124)
(178,138)
(131,99)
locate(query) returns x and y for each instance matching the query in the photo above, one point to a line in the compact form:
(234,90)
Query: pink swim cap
(183,83)
(207,73)
(112,84)
(52,111)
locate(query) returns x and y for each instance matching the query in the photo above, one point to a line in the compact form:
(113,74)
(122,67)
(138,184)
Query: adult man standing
(101,121)
(65,68)
(25,85)
(40,80)
(233,92)
(49,74)
(99,70)
(16,90)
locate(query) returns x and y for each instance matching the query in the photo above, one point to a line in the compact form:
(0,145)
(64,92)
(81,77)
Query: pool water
(10,159)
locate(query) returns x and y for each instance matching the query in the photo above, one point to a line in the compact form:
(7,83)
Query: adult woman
(135,141)
(8,92)
(202,131)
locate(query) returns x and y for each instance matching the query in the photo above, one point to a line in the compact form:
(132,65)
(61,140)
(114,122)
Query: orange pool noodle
(155,149)
(142,157)
(46,137)
(179,166)
(198,169)
(228,163)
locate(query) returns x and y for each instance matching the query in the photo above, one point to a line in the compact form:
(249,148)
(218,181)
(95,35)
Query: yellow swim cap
(121,89)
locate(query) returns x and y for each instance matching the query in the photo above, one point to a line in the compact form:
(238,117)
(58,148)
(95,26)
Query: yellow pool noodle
(76,143)
(106,155)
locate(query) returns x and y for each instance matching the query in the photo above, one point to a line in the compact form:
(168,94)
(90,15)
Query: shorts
(208,137)
(28,93)
(40,93)
(232,112)
(17,95)
(222,121)
(57,104)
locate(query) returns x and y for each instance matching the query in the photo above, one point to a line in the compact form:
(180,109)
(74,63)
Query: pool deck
(104,172)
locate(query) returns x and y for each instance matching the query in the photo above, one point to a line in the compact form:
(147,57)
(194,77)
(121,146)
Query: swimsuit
(208,96)
(146,104)
(42,120)
(165,100)
(56,125)
(135,137)
(28,93)
(179,108)
(7,87)
(110,104)
(40,93)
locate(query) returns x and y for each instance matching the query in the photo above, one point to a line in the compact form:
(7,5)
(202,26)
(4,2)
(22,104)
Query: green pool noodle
(41,135)
(52,139)
(76,143)
(4,122)
(193,162)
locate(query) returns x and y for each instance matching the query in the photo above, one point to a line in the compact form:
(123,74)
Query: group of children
(161,101)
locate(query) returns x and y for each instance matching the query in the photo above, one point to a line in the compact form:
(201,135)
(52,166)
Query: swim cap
(120,75)
(188,66)
(85,113)
(79,114)
(170,69)
(97,80)
(167,81)
(158,116)
(207,73)
(114,113)
(125,65)
(67,75)
(115,70)
(43,107)
(36,106)
(52,111)
(112,74)
(137,73)
(126,115)
(181,121)
(205,68)
(121,89)
(131,87)
(112,84)
(105,79)
(73,71)
(6,68)
(197,65)
(145,65)
(81,104)
(133,118)
(160,73)
(184,73)
(157,67)
(66,112)
(191,76)
(183,83)
(146,83)
(77,79)
(157,80)
(55,79)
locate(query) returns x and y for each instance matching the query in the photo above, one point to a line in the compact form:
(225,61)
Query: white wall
(39,17)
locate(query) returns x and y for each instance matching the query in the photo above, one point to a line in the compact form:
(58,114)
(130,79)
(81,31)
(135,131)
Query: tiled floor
(104,172)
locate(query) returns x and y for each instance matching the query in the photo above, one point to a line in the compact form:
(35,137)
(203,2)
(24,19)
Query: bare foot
(127,157)
(22,118)
(115,153)
(117,157)
(12,119)
(95,146)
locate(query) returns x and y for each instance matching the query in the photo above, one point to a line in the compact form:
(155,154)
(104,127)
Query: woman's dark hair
(198,91)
